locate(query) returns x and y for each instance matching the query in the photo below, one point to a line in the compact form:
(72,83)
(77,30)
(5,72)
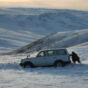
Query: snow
(20,26)
(13,37)
(56,40)
(74,75)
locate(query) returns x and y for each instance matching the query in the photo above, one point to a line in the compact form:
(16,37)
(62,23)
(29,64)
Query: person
(28,56)
(75,58)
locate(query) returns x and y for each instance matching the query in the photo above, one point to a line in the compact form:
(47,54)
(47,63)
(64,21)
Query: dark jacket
(75,57)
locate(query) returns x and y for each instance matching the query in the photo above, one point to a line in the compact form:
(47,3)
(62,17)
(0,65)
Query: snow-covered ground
(13,37)
(73,76)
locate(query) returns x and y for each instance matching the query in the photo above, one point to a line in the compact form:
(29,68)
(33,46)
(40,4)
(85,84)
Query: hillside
(56,40)
(20,26)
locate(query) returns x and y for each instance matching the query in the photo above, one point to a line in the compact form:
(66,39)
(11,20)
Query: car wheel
(28,65)
(59,64)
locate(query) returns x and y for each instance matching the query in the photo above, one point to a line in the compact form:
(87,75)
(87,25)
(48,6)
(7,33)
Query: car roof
(53,49)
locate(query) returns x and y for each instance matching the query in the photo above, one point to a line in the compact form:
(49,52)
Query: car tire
(59,64)
(28,65)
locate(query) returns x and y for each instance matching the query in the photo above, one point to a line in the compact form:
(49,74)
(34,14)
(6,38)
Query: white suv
(52,57)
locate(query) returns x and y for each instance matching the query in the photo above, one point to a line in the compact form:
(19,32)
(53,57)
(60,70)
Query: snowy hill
(43,20)
(20,26)
(56,40)
(37,29)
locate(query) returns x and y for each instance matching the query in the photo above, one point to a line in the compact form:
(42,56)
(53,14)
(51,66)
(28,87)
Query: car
(50,57)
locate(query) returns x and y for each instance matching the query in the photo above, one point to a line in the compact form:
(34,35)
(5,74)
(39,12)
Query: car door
(45,58)
(61,54)
(50,57)
(41,59)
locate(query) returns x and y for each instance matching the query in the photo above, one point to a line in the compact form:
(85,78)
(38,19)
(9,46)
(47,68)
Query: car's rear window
(56,52)
(61,52)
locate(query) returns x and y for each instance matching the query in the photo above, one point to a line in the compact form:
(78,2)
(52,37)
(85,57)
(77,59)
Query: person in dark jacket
(75,58)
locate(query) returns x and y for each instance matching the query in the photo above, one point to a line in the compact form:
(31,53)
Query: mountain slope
(43,20)
(56,40)
(21,26)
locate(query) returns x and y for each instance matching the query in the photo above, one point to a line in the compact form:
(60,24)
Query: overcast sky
(64,4)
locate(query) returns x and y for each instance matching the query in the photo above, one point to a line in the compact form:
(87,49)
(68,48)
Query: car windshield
(41,54)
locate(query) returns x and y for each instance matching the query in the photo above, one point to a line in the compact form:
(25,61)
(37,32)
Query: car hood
(26,59)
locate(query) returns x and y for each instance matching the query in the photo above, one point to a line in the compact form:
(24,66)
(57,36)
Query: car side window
(61,52)
(41,54)
(50,53)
